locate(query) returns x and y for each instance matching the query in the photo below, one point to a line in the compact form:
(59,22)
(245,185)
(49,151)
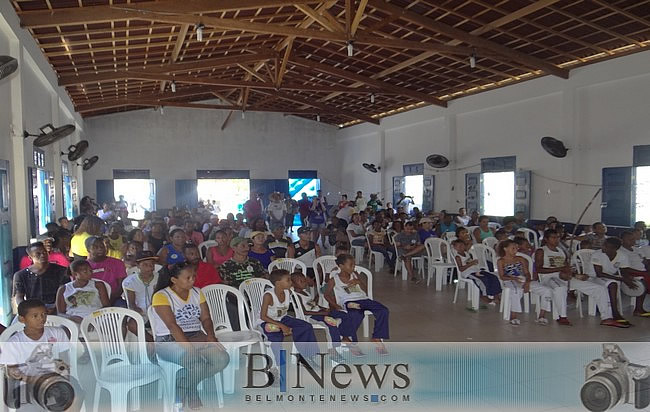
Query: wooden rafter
(384,86)
(358,16)
(320,18)
(477,41)
(107,13)
(321,106)
(180,40)
(283,65)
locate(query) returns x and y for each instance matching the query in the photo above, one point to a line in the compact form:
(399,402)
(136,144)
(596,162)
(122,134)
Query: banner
(521,376)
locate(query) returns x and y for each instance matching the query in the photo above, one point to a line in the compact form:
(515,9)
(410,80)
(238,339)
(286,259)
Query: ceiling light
(472,60)
(173,86)
(372,98)
(199,31)
(350,49)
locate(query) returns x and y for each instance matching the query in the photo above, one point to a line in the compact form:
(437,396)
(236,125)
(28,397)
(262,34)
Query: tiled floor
(420,313)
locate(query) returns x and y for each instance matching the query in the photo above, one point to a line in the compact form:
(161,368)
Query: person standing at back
(360,201)
(304,208)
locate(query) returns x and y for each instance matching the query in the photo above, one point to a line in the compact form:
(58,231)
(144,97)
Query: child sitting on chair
(347,291)
(277,324)
(487,283)
(331,319)
(83,295)
(33,314)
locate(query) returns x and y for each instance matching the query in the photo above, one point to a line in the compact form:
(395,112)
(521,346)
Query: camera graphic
(42,381)
(613,380)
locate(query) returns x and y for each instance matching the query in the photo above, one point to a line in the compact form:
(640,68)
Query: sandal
(515,322)
(642,314)
(612,322)
(356,352)
(381,350)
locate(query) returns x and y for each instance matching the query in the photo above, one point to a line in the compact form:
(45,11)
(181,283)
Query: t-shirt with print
(377,238)
(20,347)
(407,239)
(609,267)
(187,312)
(234,273)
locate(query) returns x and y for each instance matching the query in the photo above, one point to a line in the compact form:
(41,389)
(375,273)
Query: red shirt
(206,275)
(54,257)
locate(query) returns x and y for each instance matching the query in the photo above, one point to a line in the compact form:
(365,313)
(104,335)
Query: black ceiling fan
(8,65)
(50,134)
(90,162)
(554,147)
(371,167)
(437,161)
(75,151)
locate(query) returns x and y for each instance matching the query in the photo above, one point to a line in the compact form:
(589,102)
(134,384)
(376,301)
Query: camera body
(613,380)
(42,381)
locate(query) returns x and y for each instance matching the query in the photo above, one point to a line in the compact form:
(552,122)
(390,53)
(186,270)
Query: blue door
(6,269)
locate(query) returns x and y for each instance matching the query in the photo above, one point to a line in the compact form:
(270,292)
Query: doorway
(642,194)
(140,195)
(498,193)
(42,192)
(6,269)
(414,186)
(229,194)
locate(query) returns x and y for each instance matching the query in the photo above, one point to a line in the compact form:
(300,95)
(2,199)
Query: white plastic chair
(204,247)
(583,262)
(361,270)
(449,236)
(481,253)
(438,262)
(322,267)
(288,264)
(505,296)
(494,225)
(378,256)
(535,298)
(300,314)
(357,251)
(490,242)
(531,235)
(113,364)
(473,292)
(253,290)
(215,296)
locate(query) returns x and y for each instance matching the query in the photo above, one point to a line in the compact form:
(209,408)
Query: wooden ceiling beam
(384,86)
(108,13)
(476,41)
(180,40)
(320,106)
(320,18)
(290,31)
(155,103)
(253,73)
(283,64)
(358,16)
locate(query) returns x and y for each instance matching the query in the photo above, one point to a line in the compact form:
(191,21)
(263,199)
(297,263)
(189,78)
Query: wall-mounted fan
(437,161)
(8,65)
(75,151)
(371,167)
(554,147)
(90,162)
(50,134)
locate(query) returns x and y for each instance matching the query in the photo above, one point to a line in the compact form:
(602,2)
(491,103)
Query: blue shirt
(425,234)
(444,228)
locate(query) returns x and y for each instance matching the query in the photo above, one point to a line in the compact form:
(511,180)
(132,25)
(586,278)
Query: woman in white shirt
(184,332)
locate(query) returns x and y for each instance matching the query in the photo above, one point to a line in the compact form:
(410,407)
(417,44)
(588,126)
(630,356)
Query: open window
(626,191)
(228,189)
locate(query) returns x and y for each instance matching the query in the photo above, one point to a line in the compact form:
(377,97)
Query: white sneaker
(515,322)
(542,321)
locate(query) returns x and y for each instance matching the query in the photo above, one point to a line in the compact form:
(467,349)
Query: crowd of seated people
(103,259)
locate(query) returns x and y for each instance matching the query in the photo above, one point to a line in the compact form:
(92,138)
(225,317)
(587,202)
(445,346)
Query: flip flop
(642,314)
(614,324)
(622,321)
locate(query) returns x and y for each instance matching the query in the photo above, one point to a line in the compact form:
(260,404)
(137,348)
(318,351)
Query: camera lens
(601,392)
(54,393)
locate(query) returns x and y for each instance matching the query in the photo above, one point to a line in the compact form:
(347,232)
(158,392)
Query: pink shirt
(55,257)
(110,270)
(196,238)
(219,259)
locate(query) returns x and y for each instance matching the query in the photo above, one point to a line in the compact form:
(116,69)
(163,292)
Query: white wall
(30,98)
(174,145)
(600,113)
